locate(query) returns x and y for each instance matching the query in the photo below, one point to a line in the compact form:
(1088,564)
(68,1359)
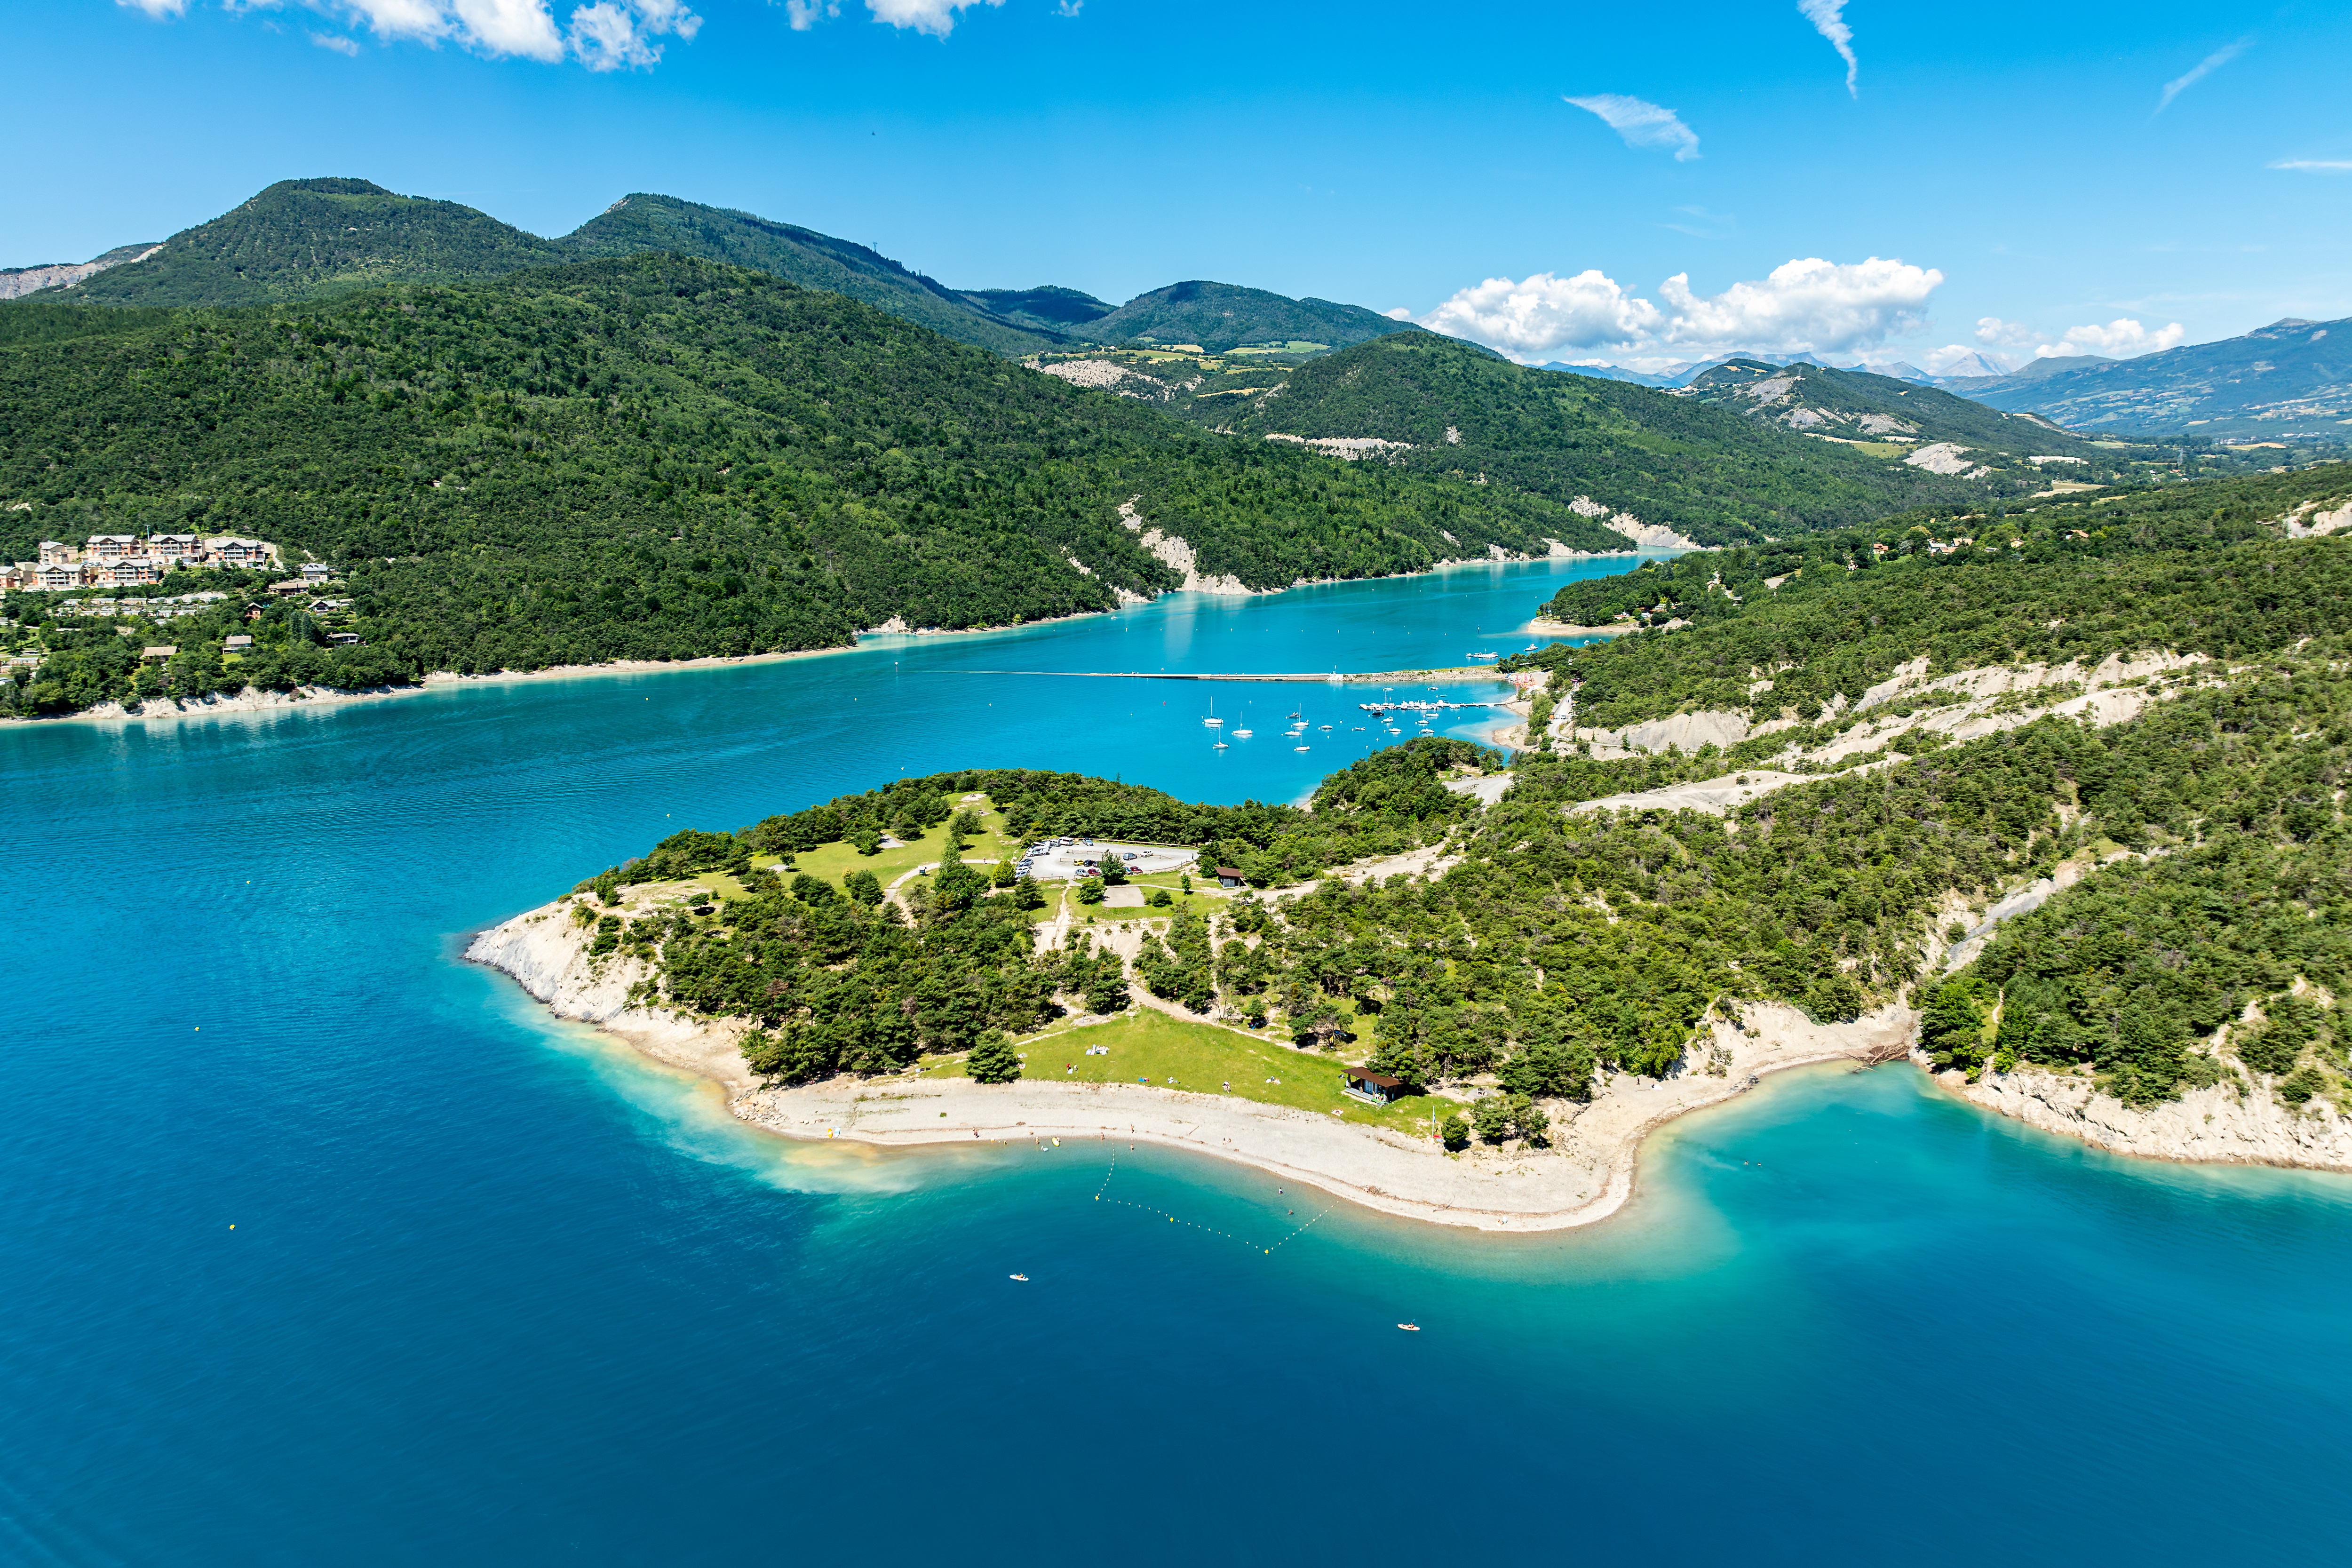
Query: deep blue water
(497,1292)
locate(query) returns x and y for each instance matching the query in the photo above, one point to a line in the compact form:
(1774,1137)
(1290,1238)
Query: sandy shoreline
(1588,1174)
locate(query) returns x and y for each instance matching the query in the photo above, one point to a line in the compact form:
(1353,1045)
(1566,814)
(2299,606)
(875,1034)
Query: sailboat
(1212,722)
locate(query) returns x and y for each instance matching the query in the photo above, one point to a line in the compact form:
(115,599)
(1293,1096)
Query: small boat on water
(1488,655)
(1219,747)
(1022,1277)
(1243,734)
(1297,748)
(1410,1328)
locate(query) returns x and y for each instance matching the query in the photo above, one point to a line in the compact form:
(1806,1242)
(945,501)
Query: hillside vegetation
(1219,317)
(1709,474)
(1857,406)
(656,458)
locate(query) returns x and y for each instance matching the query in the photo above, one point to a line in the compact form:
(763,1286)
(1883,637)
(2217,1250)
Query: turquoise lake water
(498,1292)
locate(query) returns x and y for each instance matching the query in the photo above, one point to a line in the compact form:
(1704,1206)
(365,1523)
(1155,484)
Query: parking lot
(1060,859)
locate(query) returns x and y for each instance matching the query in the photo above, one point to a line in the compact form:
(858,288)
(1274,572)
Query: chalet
(55,554)
(56,577)
(342,639)
(291,585)
(160,651)
(238,644)
(1230,876)
(230,550)
(129,571)
(316,571)
(1372,1087)
(112,546)
(20,575)
(173,546)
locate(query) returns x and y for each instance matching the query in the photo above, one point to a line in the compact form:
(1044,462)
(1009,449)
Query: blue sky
(2017,172)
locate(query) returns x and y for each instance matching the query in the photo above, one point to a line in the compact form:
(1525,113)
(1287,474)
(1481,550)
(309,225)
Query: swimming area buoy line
(1100,1196)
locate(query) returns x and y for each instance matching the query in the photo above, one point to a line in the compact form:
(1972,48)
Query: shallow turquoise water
(498,1292)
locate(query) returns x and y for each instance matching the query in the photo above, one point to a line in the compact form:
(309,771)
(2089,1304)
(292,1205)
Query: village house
(56,577)
(238,644)
(173,546)
(112,546)
(160,651)
(316,571)
(55,554)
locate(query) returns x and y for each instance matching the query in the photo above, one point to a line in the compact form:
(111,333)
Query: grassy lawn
(1200,1057)
(832,862)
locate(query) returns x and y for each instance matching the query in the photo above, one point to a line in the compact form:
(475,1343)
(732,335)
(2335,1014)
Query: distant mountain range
(2289,381)
(306,240)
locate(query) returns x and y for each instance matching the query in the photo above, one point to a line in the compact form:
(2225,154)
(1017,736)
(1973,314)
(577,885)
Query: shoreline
(1588,1173)
(252,700)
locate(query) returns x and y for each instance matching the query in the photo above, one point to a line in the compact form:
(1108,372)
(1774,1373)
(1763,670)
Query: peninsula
(2055,811)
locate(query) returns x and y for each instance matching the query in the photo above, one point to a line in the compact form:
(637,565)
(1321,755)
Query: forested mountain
(640,222)
(656,456)
(303,238)
(2291,380)
(1708,473)
(1221,317)
(1047,309)
(1879,410)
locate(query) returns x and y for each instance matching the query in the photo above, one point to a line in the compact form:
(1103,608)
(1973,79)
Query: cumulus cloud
(336,42)
(806,14)
(2199,71)
(1829,20)
(1804,306)
(2011,334)
(618,35)
(937,17)
(1807,306)
(1544,312)
(1958,359)
(156,7)
(2119,338)
(2316,165)
(603,34)
(1640,124)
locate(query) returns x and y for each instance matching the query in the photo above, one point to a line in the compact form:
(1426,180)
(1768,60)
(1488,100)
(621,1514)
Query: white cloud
(2316,165)
(806,14)
(1640,124)
(602,34)
(1804,306)
(2010,334)
(1069,7)
(937,17)
(336,42)
(1808,306)
(1828,19)
(1958,359)
(156,7)
(2119,338)
(2199,71)
(616,34)
(1545,312)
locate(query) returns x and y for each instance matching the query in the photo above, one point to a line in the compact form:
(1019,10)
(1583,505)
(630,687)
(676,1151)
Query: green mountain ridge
(1859,405)
(1709,473)
(1221,317)
(307,238)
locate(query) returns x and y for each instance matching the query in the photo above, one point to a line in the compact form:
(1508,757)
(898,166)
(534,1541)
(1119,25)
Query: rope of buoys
(1213,1230)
